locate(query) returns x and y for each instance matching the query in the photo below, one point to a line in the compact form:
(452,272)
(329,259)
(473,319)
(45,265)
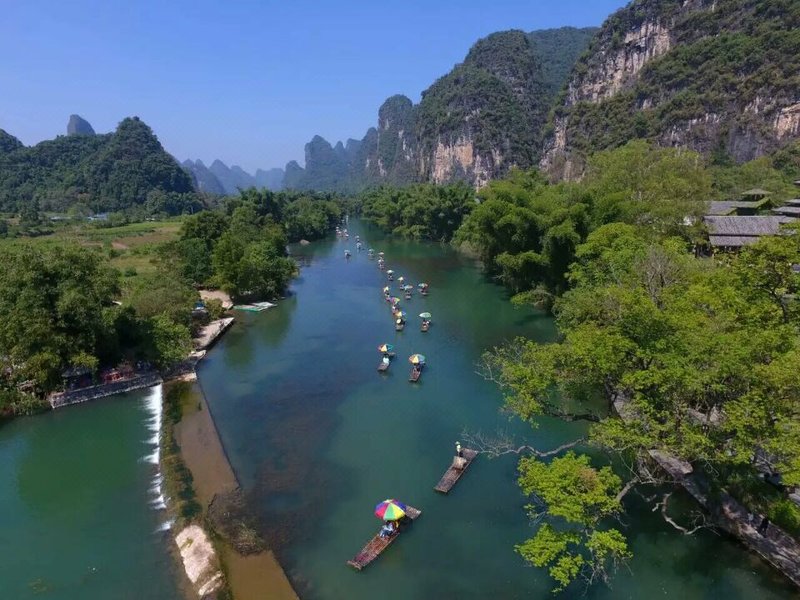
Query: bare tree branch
(699,522)
(502,444)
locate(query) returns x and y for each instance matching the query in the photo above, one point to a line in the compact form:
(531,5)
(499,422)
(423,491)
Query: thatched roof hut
(735,232)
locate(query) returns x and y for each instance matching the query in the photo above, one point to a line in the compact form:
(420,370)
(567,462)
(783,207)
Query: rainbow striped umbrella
(385,348)
(400,314)
(390,510)
(417,359)
(395,300)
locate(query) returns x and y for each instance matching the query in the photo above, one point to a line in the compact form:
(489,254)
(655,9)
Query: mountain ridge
(474,123)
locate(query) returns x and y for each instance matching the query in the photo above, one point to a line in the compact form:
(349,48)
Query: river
(80,513)
(318,437)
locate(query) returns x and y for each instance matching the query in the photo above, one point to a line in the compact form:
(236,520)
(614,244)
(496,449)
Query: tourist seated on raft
(388,529)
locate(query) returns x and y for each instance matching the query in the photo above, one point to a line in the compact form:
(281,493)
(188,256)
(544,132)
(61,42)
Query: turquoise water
(77,512)
(318,437)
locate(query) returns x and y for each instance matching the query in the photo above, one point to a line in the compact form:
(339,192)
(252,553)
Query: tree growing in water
(667,356)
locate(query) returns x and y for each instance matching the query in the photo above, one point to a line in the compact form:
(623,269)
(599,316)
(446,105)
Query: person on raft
(388,529)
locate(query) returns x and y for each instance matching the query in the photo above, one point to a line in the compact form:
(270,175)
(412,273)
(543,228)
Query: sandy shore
(254,577)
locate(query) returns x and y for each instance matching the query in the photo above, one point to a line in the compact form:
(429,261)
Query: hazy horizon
(248,84)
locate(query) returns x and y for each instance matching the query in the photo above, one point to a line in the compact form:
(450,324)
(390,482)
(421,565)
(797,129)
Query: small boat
(378,544)
(407,295)
(358,246)
(399,325)
(416,373)
(383,366)
(456,470)
(425,326)
(387,350)
(347,253)
(390,275)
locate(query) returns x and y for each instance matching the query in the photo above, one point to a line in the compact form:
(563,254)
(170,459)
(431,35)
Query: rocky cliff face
(473,124)
(78,126)
(486,115)
(711,75)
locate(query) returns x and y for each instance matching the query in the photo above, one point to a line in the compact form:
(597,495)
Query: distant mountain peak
(77,125)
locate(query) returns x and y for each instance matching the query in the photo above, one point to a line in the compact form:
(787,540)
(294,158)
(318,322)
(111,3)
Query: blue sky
(247,82)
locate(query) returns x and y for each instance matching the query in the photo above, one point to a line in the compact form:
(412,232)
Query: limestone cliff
(79,126)
(472,124)
(717,76)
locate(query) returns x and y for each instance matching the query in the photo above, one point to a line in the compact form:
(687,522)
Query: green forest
(127,170)
(67,303)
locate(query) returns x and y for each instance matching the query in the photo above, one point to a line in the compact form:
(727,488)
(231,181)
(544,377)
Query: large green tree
(52,307)
(668,356)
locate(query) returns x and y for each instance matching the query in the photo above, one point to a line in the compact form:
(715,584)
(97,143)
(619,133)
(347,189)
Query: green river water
(79,508)
(318,437)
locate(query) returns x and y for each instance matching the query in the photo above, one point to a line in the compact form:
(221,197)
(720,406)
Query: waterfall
(153,405)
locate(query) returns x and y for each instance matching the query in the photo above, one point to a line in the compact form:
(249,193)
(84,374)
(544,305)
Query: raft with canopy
(388,510)
(387,349)
(426,321)
(418,362)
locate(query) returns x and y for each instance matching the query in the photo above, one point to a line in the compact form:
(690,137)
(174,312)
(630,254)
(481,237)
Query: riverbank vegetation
(665,354)
(242,248)
(423,212)
(89,296)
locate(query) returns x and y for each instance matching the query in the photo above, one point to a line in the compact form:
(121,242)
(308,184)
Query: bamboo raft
(378,544)
(425,326)
(383,367)
(415,374)
(453,474)
(399,326)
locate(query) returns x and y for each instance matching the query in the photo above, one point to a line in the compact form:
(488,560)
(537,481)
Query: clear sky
(247,82)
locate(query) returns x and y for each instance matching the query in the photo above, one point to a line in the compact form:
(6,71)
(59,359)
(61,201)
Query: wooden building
(733,232)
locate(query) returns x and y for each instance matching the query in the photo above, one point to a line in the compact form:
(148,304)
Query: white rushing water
(153,405)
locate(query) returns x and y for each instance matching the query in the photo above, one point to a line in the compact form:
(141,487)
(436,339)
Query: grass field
(130,248)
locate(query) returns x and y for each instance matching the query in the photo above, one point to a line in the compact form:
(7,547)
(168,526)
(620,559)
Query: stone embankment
(773,544)
(94,392)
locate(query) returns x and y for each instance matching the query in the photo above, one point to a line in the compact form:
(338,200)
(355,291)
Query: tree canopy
(662,352)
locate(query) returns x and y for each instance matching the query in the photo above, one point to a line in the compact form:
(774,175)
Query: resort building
(733,232)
